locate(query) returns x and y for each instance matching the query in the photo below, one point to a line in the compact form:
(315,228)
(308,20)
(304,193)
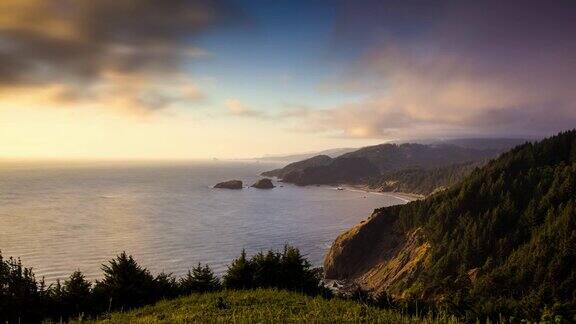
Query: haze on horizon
(183,79)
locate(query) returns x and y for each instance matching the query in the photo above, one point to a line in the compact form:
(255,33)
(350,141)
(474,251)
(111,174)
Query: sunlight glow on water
(59,218)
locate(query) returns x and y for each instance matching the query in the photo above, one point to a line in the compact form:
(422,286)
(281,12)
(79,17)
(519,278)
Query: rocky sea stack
(231,184)
(263,184)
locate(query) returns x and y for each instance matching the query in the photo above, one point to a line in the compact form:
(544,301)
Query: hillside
(304,156)
(423,181)
(387,157)
(315,161)
(501,241)
(371,162)
(261,306)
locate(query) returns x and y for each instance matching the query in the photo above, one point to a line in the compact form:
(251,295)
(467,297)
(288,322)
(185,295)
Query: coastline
(404,196)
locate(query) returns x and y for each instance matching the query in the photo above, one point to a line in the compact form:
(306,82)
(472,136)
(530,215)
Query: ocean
(60,217)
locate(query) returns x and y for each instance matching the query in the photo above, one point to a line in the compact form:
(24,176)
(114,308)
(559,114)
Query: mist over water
(60,217)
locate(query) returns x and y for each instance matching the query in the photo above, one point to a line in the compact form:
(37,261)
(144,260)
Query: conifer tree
(240,274)
(200,279)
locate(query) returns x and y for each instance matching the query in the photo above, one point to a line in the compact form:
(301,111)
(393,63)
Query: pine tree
(76,293)
(126,284)
(240,274)
(200,279)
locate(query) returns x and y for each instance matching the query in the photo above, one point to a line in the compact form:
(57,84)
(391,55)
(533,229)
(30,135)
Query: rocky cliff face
(263,184)
(231,184)
(376,256)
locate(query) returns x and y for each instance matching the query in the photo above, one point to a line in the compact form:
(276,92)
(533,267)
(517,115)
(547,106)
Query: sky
(194,79)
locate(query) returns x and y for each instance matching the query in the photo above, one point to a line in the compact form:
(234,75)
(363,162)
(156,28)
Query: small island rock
(263,184)
(231,184)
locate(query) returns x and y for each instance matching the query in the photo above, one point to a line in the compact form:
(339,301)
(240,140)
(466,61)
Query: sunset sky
(177,79)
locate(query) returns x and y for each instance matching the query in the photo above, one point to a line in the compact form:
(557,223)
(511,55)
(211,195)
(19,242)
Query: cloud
(236,108)
(79,44)
(458,68)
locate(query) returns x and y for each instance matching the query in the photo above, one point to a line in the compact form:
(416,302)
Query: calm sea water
(59,217)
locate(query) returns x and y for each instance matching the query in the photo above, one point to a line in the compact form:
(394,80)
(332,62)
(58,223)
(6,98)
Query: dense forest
(423,181)
(502,241)
(126,285)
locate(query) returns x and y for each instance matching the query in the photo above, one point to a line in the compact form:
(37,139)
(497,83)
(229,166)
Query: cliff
(377,257)
(501,241)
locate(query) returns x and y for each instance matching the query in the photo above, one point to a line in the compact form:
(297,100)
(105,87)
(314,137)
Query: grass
(262,305)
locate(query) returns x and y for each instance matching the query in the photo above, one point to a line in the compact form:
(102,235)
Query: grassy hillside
(262,305)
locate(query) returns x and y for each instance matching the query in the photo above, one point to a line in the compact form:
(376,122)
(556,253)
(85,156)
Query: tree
(267,269)
(200,279)
(297,273)
(76,294)
(240,274)
(165,286)
(126,284)
(20,298)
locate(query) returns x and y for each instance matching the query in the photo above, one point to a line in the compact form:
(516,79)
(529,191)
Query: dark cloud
(78,43)
(459,66)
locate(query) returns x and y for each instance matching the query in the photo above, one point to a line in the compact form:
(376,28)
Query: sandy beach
(405,196)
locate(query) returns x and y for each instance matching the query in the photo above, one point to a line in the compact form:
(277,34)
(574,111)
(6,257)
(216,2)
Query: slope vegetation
(502,241)
(423,181)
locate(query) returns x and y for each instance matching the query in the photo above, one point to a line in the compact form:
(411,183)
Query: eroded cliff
(377,256)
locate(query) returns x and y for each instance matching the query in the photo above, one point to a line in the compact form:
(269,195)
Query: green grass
(262,305)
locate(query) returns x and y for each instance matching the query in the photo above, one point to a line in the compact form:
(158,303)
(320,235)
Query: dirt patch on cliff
(376,256)
(401,268)
(362,247)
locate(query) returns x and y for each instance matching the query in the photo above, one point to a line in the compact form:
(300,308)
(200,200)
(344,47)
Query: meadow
(263,305)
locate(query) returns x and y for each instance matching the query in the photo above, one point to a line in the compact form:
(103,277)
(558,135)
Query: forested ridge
(408,167)
(422,181)
(503,240)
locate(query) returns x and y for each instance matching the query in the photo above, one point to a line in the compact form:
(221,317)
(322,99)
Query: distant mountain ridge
(366,164)
(303,156)
(315,161)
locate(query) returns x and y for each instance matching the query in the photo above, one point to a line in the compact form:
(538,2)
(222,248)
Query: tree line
(125,284)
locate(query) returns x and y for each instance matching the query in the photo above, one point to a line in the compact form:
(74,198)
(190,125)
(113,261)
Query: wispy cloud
(237,108)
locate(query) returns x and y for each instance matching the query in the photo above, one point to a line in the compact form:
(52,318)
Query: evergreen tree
(165,286)
(200,279)
(240,274)
(296,272)
(267,269)
(76,294)
(126,284)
